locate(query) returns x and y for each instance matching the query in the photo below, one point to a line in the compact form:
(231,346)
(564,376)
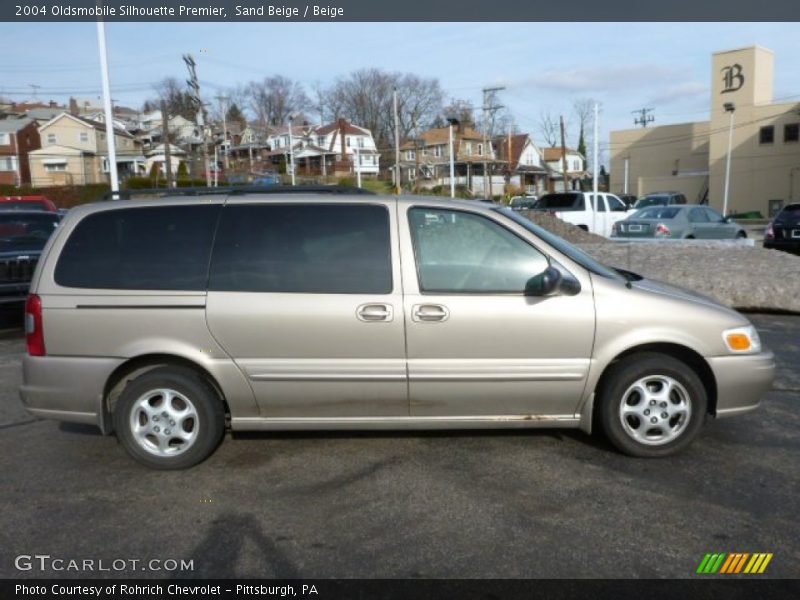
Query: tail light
(663,231)
(769,234)
(34,333)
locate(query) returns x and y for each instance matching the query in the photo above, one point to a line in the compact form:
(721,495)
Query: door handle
(375,312)
(429,313)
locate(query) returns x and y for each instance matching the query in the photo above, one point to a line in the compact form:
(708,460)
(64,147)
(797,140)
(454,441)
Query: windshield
(562,245)
(25,232)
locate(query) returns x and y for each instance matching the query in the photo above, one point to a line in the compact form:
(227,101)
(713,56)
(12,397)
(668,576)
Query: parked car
(660,199)
(522,202)
(576,208)
(162,320)
(783,233)
(27,203)
(688,222)
(23,235)
(629,200)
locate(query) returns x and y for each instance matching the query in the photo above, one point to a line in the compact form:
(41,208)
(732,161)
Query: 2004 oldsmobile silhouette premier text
(164,321)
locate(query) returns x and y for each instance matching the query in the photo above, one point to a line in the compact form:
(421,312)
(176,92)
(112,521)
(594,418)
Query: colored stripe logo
(734,563)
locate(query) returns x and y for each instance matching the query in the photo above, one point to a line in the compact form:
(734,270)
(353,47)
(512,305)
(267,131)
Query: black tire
(741,235)
(618,386)
(185,388)
(689,237)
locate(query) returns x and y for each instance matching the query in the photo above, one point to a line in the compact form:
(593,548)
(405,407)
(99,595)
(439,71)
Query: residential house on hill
(75,152)
(425,161)
(18,137)
(525,165)
(576,168)
(336,149)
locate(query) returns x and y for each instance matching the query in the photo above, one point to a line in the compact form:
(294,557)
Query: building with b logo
(691,158)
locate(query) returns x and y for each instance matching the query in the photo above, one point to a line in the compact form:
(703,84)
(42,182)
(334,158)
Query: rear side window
(294,248)
(159,248)
(562,202)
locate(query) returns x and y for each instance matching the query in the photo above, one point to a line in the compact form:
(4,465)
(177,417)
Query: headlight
(742,340)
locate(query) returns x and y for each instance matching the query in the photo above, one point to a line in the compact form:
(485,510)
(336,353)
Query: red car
(27,203)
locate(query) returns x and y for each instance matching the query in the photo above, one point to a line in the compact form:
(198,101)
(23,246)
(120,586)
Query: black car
(784,231)
(660,199)
(23,235)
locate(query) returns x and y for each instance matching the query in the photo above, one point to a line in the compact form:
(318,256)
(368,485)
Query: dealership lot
(472,504)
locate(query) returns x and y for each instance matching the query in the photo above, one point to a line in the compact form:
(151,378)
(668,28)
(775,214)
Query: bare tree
(549,129)
(273,99)
(365,97)
(177,97)
(461,110)
(583,109)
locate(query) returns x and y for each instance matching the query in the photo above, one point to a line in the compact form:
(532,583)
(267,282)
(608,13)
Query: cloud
(687,90)
(600,79)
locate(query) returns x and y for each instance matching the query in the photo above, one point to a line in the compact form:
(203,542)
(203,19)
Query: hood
(674,291)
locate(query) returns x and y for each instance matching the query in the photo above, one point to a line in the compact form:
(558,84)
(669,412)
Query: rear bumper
(66,388)
(790,245)
(742,381)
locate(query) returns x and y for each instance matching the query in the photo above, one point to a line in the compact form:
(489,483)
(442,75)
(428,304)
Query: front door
(306,298)
(477,346)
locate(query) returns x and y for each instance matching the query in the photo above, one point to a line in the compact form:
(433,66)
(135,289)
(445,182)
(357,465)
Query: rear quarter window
(158,248)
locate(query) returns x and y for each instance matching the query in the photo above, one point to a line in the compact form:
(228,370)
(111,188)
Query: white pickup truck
(576,208)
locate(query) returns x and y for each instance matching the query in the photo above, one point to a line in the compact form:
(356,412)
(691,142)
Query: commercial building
(692,157)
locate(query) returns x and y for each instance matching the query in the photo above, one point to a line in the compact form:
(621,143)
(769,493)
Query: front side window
(597,202)
(714,216)
(461,252)
(299,248)
(698,215)
(158,248)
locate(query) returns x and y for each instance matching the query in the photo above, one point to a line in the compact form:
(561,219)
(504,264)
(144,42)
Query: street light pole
(110,141)
(452,159)
(730,107)
(291,149)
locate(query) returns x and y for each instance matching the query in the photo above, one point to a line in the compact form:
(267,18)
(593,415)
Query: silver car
(689,221)
(166,321)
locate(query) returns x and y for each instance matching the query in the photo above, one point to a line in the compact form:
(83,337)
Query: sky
(543,66)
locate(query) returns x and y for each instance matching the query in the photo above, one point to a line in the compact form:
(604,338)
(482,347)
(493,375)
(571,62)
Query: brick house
(17,138)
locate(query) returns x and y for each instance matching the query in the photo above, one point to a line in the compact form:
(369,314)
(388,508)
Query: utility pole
(564,155)
(35,89)
(201,109)
(489,108)
(165,137)
(396,145)
(644,116)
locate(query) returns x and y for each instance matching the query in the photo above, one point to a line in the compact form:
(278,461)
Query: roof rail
(234,191)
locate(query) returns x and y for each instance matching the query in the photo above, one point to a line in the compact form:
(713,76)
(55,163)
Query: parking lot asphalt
(543,503)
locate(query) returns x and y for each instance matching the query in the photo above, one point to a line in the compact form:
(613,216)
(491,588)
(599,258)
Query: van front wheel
(652,405)
(169,418)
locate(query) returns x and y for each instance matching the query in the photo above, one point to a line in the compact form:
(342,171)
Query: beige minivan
(166,321)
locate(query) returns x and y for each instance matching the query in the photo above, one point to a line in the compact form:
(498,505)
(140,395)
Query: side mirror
(543,284)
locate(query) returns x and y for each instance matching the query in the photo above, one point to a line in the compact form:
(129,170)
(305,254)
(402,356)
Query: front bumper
(742,380)
(66,388)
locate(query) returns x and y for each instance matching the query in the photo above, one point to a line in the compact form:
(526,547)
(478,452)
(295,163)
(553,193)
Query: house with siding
(74,151)
(425,160)
(525,166)
(576,168)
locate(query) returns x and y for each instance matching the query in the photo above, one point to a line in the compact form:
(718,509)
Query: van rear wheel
(652,405)
(169,418)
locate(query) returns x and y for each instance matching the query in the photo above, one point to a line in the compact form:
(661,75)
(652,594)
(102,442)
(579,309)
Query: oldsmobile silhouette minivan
(167,320)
